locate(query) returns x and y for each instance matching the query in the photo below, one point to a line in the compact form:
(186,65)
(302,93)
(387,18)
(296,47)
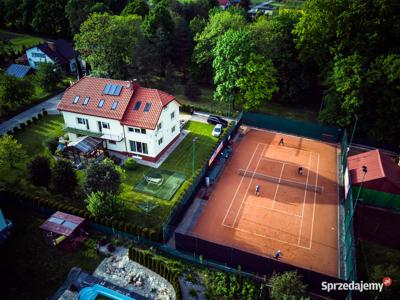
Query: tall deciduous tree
(231,54)
(288,285)
(136,7)
(64,179)
(102,177)
(258,84)
(48,76)
(39,172)
(49,18)
(106,42)
(11,152)
(77,11)
(14,92)
(102,204)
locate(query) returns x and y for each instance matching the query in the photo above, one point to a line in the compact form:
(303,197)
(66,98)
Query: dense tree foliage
(63,178)
(355,45)
(106,42)
(14,92)
(39,172)
(136,7)
(48,76)
(288,285)
(11,152)
(102,177)
(102,204)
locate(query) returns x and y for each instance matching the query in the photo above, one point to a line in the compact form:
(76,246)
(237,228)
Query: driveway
(49,105)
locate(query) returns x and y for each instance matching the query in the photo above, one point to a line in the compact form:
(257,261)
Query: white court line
(273,209)
(240,184)
(277,186)
(304,200)
(315,196)
(247,190)
(267,237)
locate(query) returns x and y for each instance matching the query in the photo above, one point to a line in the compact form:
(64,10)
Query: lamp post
(194,147)
(352,133)
(365,170)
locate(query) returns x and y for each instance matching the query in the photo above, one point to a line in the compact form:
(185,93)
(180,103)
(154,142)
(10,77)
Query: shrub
(34,119)
(29,122)
(45,113)
(129,164)
(116,160)
(193,293)
(10,132)
(105,205)
(111,248)
(64,178)
(192,90)
(39,116)
(287,285)
(39,172)
(22,125)
(103,242)
(51,144)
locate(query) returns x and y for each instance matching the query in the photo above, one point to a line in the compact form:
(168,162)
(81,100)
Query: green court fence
(295,127)
(376,198)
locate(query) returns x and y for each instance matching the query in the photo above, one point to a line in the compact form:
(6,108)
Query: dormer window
(76,99)
(147,107)
(137,105)
(86,101)
(101,103)
(114,105)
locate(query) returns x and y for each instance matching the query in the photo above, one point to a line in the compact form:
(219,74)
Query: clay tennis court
(295,213)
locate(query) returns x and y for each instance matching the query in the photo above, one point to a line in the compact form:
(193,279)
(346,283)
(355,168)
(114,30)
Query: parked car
(217,130)
(217,120)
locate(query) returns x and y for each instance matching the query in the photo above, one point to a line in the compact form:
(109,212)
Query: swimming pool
(92,292)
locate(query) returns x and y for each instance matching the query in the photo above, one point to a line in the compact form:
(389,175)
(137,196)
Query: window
(173,129)
(112,142)
(86,101)
(137,105)
(137,130)
(143,131)
(114,105)
(159,126)
(138,147)
(76,99)
(172,115)
(81,121)
(105,125)
(101,103)
(147,107)
(160,141)
(35,54)
(130,129)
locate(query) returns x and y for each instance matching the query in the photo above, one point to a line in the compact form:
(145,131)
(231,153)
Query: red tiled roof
(93,87)
(382,172)
(223,2)
(149,119)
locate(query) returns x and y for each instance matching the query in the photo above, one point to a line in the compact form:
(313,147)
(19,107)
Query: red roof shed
(383,174)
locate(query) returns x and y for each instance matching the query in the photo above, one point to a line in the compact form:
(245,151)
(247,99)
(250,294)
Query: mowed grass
(30,268)
(20,41)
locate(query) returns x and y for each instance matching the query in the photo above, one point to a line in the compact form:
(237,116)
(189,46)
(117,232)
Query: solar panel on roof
(137,105)
(76,99)
(107,89)
(70,225)
(56,220)
(118,90)
(114,105)
(147,107)
(86,101)
(112,89)
(101,103)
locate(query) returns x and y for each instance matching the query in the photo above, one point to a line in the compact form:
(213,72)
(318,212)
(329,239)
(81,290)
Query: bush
(111,248)
(39,116)
(34,119)
(22,125)
(39,172)
(102,177)
(287,285)
(29,122)
(116,160)
(51,144)
(10,132)
(105,205)
(64,178)
(103,242)
(129,164)
(45,113)
(192,90)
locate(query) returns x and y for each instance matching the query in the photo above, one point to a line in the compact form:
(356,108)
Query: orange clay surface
(300,222)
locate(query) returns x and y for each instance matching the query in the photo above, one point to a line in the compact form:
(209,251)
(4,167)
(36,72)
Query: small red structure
(63,227)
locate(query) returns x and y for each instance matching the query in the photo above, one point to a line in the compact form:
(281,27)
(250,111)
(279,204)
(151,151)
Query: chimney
(52,46)
(133,84)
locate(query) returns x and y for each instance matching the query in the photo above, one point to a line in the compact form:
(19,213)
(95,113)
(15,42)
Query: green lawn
(20,41)
(33,137)
(30,268)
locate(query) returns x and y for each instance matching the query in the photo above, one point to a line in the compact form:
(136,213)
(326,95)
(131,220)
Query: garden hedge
(147,259)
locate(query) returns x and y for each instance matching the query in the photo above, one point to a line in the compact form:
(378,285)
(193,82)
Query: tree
(231,54)
(77,12)
(288,285)
(192,90)
(48,76)
(102,204)
(14,92)
(102,177)
(39,172)
(377,275)
(64,179)
(258,83)
(106,42)
(11,152)
(136,7)
(158,18)
(49,18)
(219,23)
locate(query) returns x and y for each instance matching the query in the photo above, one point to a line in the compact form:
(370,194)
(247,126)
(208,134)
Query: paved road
(49,105)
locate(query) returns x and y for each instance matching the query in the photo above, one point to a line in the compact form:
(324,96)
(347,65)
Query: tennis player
(281,142)
(257,190)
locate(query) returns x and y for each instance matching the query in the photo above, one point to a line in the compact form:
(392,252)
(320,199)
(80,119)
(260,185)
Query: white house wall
(34,61)
(167,123)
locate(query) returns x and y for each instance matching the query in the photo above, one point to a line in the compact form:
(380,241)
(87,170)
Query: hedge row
(147,233)
(187,108)
(155,264)
(22,125)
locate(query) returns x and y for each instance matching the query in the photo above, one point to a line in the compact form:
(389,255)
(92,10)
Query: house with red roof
(136,121)
(59,51)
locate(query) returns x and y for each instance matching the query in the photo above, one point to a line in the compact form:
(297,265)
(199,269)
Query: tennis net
(309,187)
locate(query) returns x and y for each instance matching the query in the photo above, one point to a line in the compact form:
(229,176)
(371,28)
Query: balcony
(110,137)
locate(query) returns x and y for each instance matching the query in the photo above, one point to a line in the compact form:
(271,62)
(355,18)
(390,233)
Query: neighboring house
(265,8)
(18,71)
(59,51)
(5,226)
(130,119)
